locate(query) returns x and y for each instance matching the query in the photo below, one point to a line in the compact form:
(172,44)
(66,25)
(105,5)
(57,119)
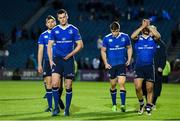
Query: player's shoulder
(72,26)
(45,32)
(108,35)
(55,28)
(124,34)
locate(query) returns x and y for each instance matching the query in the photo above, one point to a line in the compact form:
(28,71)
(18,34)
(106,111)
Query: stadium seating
(16,12)
(89,29)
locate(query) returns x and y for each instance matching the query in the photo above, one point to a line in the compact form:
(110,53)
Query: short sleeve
(41,40)
(52,35)
(77,35)
(105,44)
(128,41)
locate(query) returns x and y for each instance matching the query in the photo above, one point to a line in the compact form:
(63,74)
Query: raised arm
(135,34)
(154,32)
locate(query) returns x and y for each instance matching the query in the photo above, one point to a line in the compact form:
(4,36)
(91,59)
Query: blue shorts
(118,70)
(46,68)
(64,67)
(146,72)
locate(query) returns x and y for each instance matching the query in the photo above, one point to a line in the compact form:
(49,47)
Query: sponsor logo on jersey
(110,40)
(57,32)
(70,31)
(45,36)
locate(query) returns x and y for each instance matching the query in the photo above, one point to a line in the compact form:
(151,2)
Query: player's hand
(160,69)
(145,23)
(40,69)
(107,66)
(52,63)
(67,57)
(128,63)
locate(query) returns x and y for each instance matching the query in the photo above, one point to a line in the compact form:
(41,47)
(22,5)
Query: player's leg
(48,93)
(45,87)
(113,90)
(121,75)
(121,81)
(69,76)
(61,104)
(150,76)
(139,77)
(149,87)
(144,89)
(57,70)
(55,90)
(139,93)
(48,82)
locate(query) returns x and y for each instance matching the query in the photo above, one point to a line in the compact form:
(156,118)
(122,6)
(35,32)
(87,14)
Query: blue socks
(123,96)
(113,96)
(68,98)
(49,97)
(55,91)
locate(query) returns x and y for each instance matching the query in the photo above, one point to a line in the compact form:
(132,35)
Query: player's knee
(113,86)
(49,85)
(149,89)
(138,88)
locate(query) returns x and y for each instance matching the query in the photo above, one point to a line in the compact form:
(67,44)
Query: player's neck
(64,26)
(145,36)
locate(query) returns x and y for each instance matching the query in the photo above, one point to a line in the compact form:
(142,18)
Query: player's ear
(67,16)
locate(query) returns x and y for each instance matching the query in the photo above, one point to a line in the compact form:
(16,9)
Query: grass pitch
(23,100)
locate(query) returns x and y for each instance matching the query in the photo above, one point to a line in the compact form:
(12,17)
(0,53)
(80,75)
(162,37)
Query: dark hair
(50,17)
(115,26)
(61,11)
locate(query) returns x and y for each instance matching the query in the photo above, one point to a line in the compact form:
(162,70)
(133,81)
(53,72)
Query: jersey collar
(63,28)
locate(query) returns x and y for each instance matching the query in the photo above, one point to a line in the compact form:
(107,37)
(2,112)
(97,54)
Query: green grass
(22,100)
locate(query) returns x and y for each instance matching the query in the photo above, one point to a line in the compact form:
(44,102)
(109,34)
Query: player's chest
(116,42)
(64,35)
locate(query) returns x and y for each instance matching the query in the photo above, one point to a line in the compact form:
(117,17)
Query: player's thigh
(55,79)
(113,82)
(121,80)
(149,86)
(138,83)
(48,80)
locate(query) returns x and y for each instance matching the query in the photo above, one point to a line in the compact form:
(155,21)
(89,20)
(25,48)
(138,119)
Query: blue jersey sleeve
(41,40)
(77,35)
(52,35)
(105,44)
(128,41)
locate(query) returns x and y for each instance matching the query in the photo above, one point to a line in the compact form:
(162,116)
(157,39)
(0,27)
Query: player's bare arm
(50,44)
(155,33)
(129,53)
(79,46)
(104,58)
(135,34)
(40,57)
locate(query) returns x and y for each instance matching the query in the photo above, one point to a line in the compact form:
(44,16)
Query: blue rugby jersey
(116,48)
(145,49)
(65,39)
(43,39)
